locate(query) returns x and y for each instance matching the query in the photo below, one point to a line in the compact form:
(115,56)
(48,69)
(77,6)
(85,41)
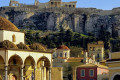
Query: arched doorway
(117,77)
(13,77)
(2,64)
(14,67)
(43,65)
(29,68)
(0,78)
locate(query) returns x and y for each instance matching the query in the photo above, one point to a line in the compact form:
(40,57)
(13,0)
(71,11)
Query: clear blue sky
(99,4)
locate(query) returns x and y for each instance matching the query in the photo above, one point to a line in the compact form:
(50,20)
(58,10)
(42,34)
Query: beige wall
(57,73)
(24,54)
(115,55)
(24,58)
(7,35)
(96,48)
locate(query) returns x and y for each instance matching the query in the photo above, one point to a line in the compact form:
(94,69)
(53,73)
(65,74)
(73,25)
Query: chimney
(85,57)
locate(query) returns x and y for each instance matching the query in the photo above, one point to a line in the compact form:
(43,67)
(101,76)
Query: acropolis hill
(62,15)
(38,5)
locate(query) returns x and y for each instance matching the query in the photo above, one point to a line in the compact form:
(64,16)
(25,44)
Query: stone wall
(57,73)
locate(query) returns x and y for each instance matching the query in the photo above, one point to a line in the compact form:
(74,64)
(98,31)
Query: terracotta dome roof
(7,25)
(63,47)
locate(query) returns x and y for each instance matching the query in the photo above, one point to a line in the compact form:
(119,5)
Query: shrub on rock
(8,45)
(37,46)
(23,46)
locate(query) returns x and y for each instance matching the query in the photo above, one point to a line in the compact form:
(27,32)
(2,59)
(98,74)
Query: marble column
(49,73)
(44,73)
(22,77)
(6,72)
(35,72)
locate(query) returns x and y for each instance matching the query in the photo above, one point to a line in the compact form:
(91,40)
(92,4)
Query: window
(90,48)
(60,54)
(65,54)
(14,61)
(99,49)
(69,5)
(74,6)
(93,48)
(51,3)
(98,56)
(13,38)
(91,72)
(82,73)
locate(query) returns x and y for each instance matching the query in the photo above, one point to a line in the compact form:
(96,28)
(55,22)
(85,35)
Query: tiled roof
(7,25)
(74,59)
(93,65)
(63,47)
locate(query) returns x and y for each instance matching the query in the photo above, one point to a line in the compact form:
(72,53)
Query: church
(19,64)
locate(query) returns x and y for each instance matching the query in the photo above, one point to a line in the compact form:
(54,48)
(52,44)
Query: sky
(99,4)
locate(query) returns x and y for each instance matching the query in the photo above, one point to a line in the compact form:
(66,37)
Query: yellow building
(114,66)
(16,64)
(96,49)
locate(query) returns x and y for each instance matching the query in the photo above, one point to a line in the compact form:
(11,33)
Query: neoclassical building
(114,66)
(96,49)
(16,64)
(61,54)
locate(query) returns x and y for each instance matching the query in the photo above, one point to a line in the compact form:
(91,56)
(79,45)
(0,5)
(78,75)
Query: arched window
(65,54)
(74,6)
(98,55)
(60,54)
(13,38)
(14,61)
(69,5)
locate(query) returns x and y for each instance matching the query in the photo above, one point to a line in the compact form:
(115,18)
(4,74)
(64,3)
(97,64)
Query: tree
(76,52)
(8,45)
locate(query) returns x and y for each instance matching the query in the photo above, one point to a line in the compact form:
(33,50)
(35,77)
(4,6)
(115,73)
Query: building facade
(114,66)
(92,72)
(96,49)
(17,64)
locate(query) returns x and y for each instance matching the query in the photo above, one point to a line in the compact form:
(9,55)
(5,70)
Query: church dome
(63,47)
(7,25)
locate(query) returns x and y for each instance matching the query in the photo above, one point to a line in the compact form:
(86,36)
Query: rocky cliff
(83,20)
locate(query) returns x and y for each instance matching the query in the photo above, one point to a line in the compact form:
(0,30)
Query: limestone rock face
(79,20)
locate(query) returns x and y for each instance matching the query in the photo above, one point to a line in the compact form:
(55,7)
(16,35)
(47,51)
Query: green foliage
(76,51)
(105,37)
(8,45)
(23,46)
(107,54)
(115,44)
(37,46)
